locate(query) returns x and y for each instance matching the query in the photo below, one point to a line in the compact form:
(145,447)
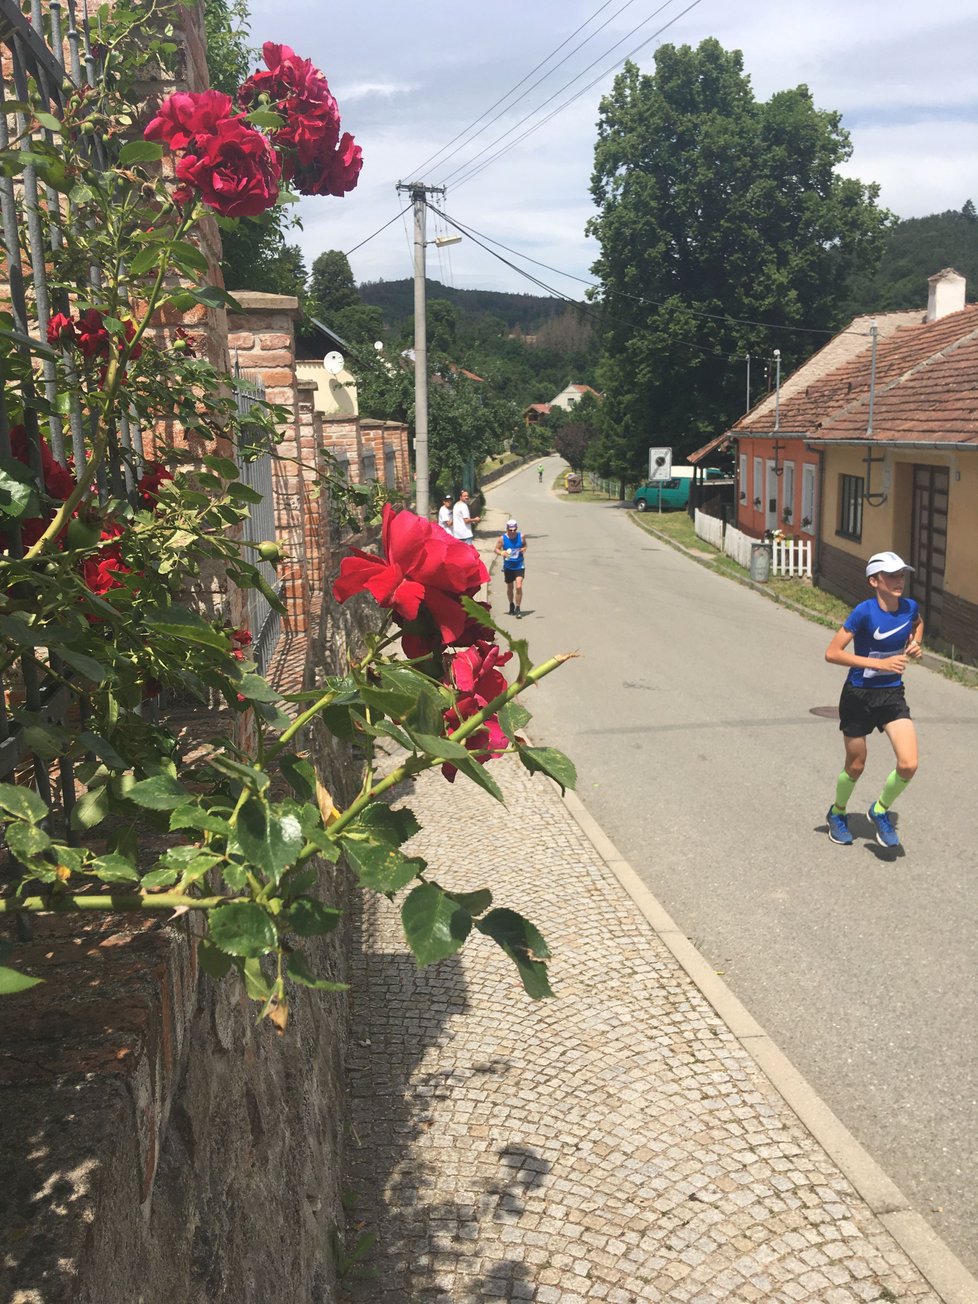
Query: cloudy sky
(409,78)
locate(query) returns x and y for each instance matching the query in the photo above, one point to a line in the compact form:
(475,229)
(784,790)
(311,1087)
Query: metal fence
(255,468)
(50,52)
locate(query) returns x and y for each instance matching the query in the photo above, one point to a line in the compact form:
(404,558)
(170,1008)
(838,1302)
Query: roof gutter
(888,443)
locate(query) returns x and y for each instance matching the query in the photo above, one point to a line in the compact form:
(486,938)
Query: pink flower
(61,329)
(185,115)
(236,171)
(474,671)
(422,568)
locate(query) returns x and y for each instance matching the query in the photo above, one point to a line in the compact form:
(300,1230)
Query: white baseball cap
(888,562)
(511,524)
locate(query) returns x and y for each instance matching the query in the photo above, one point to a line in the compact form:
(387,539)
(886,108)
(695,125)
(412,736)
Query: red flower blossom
(185,115)
(241,637)
(61,329)
(148,487)
(475,671)
(486,743)
(235,170)
(101,569)
(314,157)
(424,567)
(93,338)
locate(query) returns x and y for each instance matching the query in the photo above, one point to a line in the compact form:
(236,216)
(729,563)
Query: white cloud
(408,79)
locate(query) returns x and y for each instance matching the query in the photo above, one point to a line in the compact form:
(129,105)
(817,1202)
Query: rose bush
(106,538)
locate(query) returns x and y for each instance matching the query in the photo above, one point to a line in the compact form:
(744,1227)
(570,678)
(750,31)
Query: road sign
(660,464)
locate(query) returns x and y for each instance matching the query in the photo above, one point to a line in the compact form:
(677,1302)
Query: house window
(788,495)
(743,477)
(757,500)
(807,521)
(851,506)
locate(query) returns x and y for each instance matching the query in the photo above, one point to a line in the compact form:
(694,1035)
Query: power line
(585,307)
(463,168)
(429,161)
(378,231)
(649,303)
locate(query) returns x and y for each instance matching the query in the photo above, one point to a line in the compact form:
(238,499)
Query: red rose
(148,487)
(93,338)
(61,329)
(100,570)
(183,116)
(475,671)
(332,172)
(240,636)
(485,743)
(236,171)
(424,567)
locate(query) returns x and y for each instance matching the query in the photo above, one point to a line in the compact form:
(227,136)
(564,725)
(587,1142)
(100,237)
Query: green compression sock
(891,790)
(843,791)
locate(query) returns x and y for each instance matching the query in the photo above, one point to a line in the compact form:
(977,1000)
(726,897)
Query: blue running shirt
(879,634)
(512,557)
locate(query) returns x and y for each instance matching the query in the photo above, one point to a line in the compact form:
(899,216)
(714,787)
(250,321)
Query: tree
(915,249)
(334,300)
(575,430)
(714,207)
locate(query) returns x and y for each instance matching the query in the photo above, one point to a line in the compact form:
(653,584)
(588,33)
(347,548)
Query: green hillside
(916,248)
(523,312)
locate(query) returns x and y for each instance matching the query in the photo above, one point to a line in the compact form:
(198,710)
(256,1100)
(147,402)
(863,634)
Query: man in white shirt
(463,520)
(445,515)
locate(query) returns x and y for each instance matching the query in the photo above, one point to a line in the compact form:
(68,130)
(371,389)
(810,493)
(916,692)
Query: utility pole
(419,192)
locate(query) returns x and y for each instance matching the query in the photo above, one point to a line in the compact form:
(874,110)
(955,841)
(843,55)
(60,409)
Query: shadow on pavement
(446,1251)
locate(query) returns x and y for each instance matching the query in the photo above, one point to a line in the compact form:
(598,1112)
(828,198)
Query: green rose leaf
(180,623)
(242,928)
(86,666)
(91,809)
(299,774)
(478,773)
(379,866)
(441,748)
(214,962)
(11,981)
(140,151)
(113,869)
(27,841)
(23,802)
(145,259)
(310,918)
(187,256)
(523,944)
(159,792)
(513,717)
(434,925)
(160,878)
(257,689)
(549,761)
(258,987)
(297,968)
(270,837)
(18,491)
(474,902)
(193,817)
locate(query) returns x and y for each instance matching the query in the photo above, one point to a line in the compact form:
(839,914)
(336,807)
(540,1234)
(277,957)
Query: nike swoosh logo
(877,633)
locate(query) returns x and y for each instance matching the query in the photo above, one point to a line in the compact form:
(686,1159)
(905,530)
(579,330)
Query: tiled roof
(926,384)
(538,407)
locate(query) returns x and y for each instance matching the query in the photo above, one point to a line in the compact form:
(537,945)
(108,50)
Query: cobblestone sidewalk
(616,1143)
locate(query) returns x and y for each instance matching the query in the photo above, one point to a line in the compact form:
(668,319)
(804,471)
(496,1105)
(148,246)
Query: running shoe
(839,828)
(517,613)
(512,608)
(886,834)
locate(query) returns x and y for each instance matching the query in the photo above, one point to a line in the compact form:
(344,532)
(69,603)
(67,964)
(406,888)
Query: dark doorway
(928,549)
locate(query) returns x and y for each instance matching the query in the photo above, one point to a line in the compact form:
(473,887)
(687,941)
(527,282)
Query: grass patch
(497,463)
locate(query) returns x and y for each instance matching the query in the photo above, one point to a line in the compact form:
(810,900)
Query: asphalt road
(689,718)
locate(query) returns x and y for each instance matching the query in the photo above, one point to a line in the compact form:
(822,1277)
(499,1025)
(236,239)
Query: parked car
(674,492)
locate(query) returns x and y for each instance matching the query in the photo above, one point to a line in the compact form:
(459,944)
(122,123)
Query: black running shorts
(861,710)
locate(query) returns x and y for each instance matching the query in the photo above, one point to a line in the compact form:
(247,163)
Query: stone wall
(157,1143)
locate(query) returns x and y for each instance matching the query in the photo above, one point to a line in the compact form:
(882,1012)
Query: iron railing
(255,467)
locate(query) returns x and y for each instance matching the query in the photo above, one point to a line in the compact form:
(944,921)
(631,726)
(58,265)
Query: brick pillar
(261,338)
(342,437)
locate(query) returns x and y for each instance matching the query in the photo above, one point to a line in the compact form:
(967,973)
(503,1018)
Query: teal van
(673,493)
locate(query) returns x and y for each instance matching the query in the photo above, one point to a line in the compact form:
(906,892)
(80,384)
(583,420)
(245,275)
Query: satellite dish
(333,362)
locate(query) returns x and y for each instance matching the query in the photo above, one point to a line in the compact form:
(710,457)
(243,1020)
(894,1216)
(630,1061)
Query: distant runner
(885,630)
(540,474)
(512,548)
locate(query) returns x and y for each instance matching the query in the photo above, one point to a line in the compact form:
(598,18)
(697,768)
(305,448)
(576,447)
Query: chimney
(945,294)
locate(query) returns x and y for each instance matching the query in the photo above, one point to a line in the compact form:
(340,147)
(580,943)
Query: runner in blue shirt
(884,631)
(512,546)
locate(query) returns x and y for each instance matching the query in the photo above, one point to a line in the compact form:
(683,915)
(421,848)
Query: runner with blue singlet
(885,631)
(512,548)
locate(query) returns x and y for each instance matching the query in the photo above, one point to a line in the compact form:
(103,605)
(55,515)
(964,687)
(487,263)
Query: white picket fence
(736,544)
(709,528)
(790,557)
